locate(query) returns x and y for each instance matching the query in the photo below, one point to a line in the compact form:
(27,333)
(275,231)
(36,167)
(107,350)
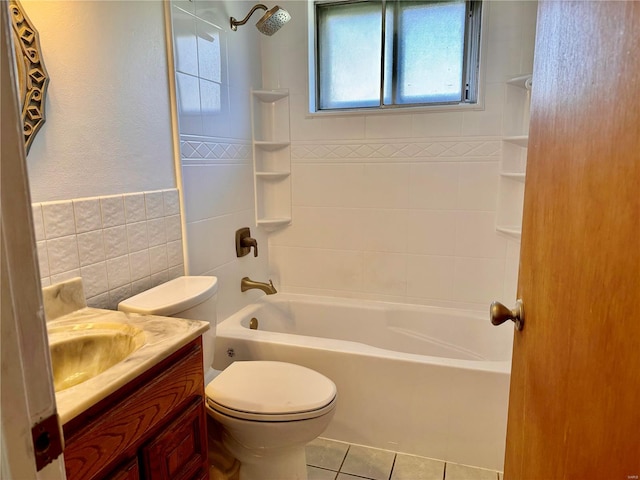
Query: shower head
(270,22)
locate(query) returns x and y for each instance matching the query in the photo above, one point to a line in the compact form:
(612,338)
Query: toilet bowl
(267,411)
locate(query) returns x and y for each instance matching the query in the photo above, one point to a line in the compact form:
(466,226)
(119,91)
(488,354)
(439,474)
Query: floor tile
(346,476)
(326,453)
(368,462)
(462,472)
(315,473)
(410,467)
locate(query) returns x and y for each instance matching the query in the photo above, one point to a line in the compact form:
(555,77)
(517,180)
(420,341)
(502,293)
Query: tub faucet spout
(247,284)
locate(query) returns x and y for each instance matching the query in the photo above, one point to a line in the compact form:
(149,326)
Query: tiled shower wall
(399,206)
(410,221)
(215,70)
(120,245)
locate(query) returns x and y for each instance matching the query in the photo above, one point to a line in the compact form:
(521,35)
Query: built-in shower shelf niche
(514,156)
(271,157)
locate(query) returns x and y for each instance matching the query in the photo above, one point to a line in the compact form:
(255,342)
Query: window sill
(463,107)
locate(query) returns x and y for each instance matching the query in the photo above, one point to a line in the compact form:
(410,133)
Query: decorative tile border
(397,150)
(120,245)
(198,149)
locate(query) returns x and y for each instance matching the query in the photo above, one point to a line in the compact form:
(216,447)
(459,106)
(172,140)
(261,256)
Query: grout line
(444,472)
(344,459)
(393,464)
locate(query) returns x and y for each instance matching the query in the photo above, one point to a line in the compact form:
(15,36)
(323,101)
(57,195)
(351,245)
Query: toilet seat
(267,391)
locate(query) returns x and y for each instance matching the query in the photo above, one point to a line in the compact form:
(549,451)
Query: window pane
(349,54)
(430,51)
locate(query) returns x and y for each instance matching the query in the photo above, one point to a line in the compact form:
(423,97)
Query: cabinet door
(129,471)
(180,451)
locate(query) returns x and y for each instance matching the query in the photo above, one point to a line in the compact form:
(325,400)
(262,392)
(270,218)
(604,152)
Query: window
(395,53)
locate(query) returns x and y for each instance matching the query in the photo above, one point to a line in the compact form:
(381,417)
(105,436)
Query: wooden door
(574,410)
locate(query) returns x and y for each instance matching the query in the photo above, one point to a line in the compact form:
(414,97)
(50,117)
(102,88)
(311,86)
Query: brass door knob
(500,314)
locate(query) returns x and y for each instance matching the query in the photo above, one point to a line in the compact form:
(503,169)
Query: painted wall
(215,70)
(108,128)
(399,207)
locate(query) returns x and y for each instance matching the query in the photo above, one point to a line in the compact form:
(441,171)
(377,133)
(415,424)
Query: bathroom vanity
(153,427)
(129,390)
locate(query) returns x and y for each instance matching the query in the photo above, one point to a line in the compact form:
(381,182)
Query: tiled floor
(331,460)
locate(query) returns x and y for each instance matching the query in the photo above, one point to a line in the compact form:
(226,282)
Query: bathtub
(421,380)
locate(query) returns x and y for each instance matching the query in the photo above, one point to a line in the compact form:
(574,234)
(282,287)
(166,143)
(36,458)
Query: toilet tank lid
(171,297)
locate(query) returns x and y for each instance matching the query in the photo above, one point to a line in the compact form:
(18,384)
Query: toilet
(267,411)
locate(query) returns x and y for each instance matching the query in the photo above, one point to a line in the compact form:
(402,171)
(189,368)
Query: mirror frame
(32,74)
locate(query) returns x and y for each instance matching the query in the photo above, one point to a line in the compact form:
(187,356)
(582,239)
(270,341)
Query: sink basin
(82,351)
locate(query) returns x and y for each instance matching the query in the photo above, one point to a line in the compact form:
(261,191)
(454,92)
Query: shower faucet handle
(244,243)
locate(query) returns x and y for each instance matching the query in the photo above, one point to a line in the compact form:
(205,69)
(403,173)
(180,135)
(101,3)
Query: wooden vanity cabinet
(154,427)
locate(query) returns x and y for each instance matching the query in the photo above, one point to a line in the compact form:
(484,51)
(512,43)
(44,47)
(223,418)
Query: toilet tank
(193,298)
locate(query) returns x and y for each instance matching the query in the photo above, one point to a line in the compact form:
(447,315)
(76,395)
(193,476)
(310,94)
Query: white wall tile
(213,190)
(211,243)
(99,301)
(112,211)
(489,120)
(385,273)
(430,276)
(431,232)
(175,272)
(388,126)
(43,258)
(174,253)
(327,185)
(159,278)
(134,207)
(58,219)
(91,247)
(87,214)
(322,227)
(478,186)
(139,265)
(189,114)
(171,202)
(115,241)
(139,286)
(38,222)
(94,279)
(63,254)
(119,294)
(137,236)
(64,276)
(185,46)
(385,186)
(154,204)
(118,271)
(434,186)
(156,231)
(477,237)
(478,279)
(317,268)
(383,230)
(158,258)
(436,124)
(173,227)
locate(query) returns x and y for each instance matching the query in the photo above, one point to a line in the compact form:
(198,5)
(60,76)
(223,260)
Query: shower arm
(235,23)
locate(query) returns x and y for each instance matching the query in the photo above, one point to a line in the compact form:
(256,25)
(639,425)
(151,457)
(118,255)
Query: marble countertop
(65,306)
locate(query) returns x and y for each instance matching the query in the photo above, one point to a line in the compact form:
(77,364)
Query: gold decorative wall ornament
(32,74)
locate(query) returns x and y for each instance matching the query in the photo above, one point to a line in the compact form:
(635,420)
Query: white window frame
(313,109)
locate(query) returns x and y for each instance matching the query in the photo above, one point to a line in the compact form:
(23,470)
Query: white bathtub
(422,380)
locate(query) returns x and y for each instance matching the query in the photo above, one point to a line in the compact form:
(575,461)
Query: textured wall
(108,127)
